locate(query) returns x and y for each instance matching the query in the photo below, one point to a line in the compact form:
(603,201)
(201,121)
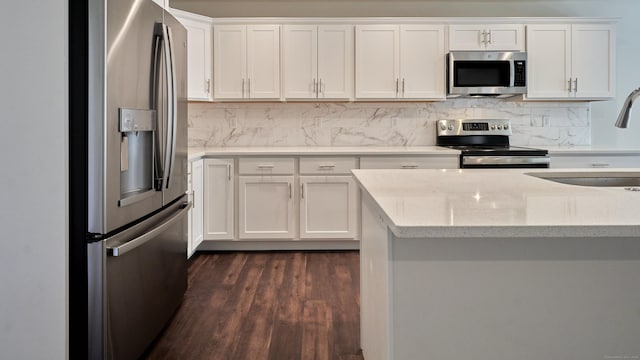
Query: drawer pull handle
(409,166)
(600,165)
(326,167)
(265,166)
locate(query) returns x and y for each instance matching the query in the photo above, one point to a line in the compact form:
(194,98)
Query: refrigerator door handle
(142,239)
(159,145)
(172,104)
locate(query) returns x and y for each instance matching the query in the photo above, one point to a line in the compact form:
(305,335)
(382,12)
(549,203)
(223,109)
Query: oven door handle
(505,160)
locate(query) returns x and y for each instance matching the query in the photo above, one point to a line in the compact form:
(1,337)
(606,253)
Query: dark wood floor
(274,305)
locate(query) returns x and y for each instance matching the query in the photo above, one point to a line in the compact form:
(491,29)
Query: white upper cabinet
(593,61)
(318,61)
(571,62)
(198,55)
(422,62)
(246,62)
(400,62)
(377,61)
(477,37)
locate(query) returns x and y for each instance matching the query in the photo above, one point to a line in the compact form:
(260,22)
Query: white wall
(603,113)
(33,154)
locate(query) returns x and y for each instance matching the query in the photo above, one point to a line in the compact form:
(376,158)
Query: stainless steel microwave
(487,73)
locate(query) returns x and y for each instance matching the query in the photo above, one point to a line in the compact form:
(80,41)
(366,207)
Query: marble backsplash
(380,123)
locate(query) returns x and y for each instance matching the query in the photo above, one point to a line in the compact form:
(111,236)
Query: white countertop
(198,152)
(319,151)
(498,203)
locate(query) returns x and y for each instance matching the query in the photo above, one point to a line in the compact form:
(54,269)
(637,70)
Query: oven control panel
(473,127)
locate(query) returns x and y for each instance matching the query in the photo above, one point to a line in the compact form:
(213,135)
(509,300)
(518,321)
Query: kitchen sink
(610,178)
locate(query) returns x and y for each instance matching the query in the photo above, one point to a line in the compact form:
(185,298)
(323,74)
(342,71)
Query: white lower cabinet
(328,198)
(410,162)
(195,222)
(266,207)
(595,161)
(218,199)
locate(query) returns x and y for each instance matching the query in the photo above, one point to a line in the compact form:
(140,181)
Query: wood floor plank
(317,329)
(267,305)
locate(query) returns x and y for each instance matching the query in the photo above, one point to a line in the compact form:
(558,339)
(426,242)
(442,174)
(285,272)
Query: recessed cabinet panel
(593,61)
(197,210)
(377,61)
(594,161)
(199,54)
(422,62)
(335,62)
(230,61)
(549,60)
(300,61)
(266,208)
(410,162)
(328,207)
(263,61)
(218,199)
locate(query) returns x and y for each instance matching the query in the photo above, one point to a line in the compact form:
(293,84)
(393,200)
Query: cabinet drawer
(422,162)
(603,161)
(327,165)
(266,166)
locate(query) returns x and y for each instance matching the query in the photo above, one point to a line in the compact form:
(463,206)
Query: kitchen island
(497,264)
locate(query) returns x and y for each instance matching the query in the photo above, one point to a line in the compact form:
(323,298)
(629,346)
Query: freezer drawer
(144,277)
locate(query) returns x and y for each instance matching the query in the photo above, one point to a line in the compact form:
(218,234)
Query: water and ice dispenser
(137,129)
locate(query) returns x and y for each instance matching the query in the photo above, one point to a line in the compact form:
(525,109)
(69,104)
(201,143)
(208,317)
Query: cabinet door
(229,61)
(218,199)
(335,61)
(300,61)
(596,161)
(475,37)
(265,206)
(410,162)
(466,37)
(422,62)
(197,196)
(328,207)
(377,61)
(199,59)
(505,37)
(263,61)
(593,62)
(549,59)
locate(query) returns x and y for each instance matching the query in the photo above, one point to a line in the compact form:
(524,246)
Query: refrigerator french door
(136,174)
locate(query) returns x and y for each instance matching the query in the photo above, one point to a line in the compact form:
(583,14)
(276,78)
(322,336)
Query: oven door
(503,161)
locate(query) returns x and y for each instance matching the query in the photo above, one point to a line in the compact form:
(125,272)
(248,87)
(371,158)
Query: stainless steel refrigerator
(136,174)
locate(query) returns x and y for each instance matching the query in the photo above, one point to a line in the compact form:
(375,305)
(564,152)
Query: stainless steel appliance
(485,144)
(487,73)
(136,175)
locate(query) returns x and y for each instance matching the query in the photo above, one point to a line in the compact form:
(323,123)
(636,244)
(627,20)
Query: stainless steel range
(485,144)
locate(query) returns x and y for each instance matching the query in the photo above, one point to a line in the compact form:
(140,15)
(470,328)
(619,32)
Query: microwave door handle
(512,73)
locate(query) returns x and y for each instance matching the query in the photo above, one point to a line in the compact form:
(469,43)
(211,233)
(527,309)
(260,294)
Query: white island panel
(520,268)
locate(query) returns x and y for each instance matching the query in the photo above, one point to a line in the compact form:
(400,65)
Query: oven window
(481,73)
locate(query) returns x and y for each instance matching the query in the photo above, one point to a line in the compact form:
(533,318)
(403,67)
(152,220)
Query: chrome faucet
(623,117)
